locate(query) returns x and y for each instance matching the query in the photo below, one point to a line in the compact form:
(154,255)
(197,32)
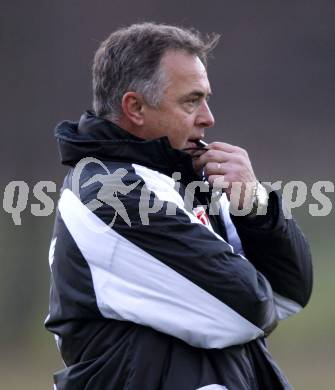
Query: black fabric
(105,139)
(287,257)
(102,353)
(184,246)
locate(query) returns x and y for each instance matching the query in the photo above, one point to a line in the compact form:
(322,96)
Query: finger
(216,168)
(223,146)
(212,156)
(234,150)
(196,152)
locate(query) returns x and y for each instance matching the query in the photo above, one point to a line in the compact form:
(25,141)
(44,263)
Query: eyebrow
(197,93)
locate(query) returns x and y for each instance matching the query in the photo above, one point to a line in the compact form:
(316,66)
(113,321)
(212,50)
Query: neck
(127,125)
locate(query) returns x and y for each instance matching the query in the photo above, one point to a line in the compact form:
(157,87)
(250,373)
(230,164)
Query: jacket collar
(99,138)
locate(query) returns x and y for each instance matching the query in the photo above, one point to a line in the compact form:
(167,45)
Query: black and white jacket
(169,298)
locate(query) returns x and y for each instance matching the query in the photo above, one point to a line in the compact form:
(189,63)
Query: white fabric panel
(285,307)
(51,259)
(163,188)
(47,318)
(232,235)
(132,285)
(58,341)
(213,387)
(162,185)
(52,251)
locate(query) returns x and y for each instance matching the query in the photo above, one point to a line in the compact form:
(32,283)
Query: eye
(192,101)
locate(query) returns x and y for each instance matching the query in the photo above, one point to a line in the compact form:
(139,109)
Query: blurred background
(273,81)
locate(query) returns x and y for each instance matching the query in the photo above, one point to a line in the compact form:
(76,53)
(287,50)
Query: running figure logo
(112,186)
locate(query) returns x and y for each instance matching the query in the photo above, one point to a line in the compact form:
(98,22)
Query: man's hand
(225,164)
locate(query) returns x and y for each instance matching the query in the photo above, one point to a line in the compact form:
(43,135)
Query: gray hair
(129,59)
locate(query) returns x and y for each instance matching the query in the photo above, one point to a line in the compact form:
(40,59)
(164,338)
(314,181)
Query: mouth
(195,143)
(196,147)
(191,144)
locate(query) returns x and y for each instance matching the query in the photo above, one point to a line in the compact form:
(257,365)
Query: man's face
(183,113)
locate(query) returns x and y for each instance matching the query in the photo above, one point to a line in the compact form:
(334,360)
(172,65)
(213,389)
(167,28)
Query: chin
(178,146)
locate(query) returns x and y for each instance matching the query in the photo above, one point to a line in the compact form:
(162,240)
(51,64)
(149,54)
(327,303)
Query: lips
(194,148)
(191,144)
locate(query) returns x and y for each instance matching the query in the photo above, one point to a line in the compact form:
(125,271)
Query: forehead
(185,72)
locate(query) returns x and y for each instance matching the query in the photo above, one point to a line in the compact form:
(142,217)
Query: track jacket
(151,292)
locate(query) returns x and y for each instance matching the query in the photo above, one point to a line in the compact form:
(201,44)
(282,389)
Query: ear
(132,106)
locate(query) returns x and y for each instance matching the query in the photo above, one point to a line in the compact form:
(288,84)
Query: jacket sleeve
(158,266)
(278,249)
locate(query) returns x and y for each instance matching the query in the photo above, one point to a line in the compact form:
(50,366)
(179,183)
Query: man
(151,287)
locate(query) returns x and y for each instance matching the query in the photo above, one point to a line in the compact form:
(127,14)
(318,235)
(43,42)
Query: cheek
(187,126)
(183,131)
(160,126)
(177,125)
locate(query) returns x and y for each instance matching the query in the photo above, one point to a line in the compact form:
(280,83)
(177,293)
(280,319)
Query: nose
(205,117)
